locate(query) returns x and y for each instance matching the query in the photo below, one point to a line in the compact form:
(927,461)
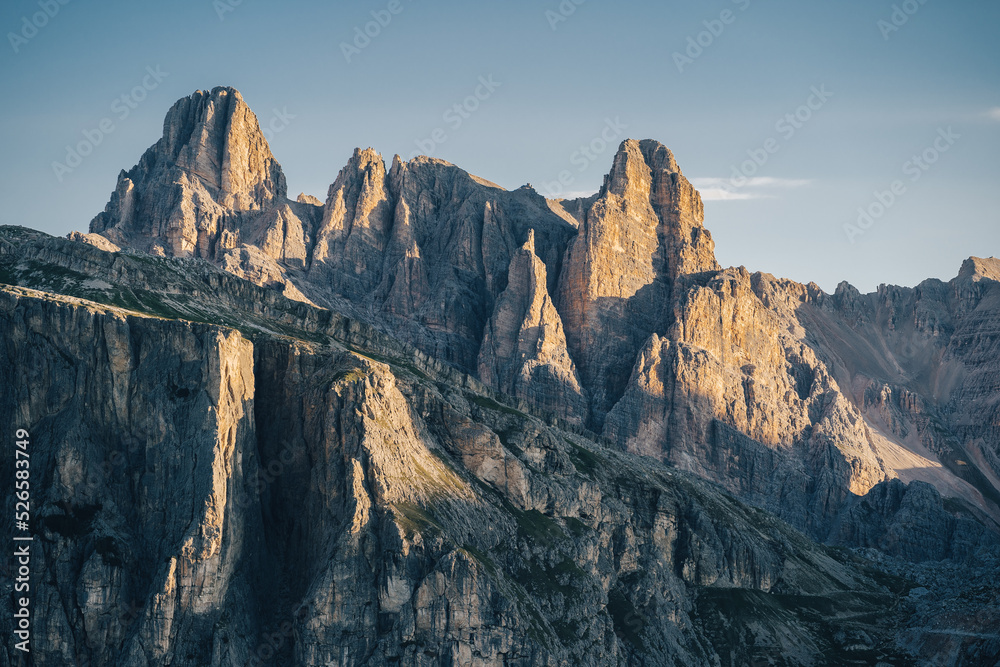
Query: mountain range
(431,421)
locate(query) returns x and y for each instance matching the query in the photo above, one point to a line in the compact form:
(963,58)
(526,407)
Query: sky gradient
(788,116)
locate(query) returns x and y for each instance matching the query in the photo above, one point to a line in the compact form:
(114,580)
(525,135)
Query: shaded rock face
(207,500)
(229,477)
(143,462)
(910,521)
(524,348)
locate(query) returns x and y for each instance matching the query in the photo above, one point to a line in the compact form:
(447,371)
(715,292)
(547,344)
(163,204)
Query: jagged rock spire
(213,160)
(643,231)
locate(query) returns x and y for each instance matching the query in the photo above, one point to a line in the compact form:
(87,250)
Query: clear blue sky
(892,92)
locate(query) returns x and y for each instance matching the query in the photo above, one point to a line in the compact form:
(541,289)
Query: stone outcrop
(524,348)
(642,232)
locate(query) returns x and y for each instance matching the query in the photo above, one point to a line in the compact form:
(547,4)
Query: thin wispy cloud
(723,189)
(722,194)
(994,113)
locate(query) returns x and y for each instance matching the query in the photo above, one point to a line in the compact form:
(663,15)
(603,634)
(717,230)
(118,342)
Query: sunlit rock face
(642,232)
(609,312)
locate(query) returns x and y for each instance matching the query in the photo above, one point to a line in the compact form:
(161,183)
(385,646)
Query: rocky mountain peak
(524,347)
(977,268)
(212,163)
(364,169)
(636,165)
(355,227)
(646,184)
(642,232)
(434,354)
(215,136)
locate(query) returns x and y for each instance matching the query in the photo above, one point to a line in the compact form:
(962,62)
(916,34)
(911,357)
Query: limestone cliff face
(735,392)
(143,507)
(642,232)
(285,502)
(229,477)
(606,315)
(524,348)
(800,400)
(975,342)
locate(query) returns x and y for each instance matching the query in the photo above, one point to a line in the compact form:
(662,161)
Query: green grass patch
(585,461)
(482,558)
(536,527)
(349,376)
(490,404)
(390,361)
(414,519)
(543,581)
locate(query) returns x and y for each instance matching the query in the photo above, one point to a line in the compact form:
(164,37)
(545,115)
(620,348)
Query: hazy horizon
(788,118)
